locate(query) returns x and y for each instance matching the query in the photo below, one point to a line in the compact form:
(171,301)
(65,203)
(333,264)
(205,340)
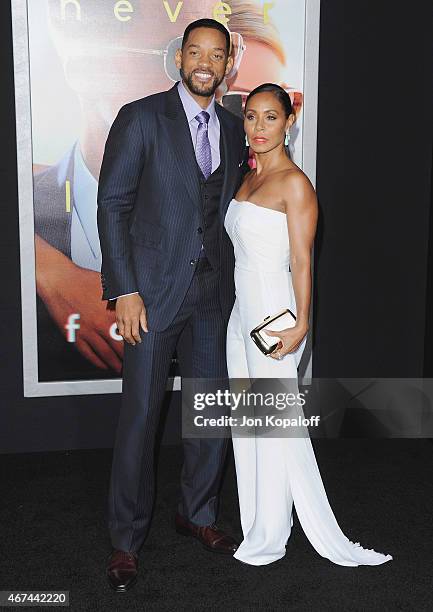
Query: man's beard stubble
(204,91)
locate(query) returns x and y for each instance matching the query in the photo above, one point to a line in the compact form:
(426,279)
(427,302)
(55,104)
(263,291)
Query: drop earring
(287,139)
(246,141)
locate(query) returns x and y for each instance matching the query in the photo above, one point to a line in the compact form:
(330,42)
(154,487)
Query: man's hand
(67,288)
(130,314)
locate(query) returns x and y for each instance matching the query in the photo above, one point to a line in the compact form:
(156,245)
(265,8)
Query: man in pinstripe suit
(172,163)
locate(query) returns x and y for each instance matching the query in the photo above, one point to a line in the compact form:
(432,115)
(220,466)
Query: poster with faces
(76,64)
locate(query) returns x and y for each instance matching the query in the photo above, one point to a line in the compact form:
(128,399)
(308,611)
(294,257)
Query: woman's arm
(302,211)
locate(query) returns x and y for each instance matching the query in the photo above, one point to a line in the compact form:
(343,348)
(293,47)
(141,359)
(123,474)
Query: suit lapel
(178,134)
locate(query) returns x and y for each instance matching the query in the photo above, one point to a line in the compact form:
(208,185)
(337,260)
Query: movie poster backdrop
(77,62)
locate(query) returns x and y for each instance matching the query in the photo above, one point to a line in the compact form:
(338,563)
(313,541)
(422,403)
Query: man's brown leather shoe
(210,536)
(122,570)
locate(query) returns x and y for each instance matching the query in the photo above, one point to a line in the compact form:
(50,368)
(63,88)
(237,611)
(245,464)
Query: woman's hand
(290,339)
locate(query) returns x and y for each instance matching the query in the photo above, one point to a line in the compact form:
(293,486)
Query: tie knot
(203,118)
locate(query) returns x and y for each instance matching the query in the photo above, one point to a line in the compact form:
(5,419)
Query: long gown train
(274,473)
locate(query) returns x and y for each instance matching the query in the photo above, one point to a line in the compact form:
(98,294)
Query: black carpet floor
(53,535)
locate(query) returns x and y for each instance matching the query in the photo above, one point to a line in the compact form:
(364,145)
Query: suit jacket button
(192,262)
(199,230)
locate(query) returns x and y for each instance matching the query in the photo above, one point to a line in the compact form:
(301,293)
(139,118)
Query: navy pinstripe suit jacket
(149,205)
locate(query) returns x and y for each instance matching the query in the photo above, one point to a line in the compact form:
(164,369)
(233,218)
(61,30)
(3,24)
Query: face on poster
(86,60)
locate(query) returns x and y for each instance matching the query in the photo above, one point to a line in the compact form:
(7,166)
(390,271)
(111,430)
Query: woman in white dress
(272,223)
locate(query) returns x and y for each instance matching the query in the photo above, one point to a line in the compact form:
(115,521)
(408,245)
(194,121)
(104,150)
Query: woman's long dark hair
(282,96)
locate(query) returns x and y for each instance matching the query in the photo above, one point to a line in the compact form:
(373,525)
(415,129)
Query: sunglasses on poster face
(243,95)
(168,54)
(235,100)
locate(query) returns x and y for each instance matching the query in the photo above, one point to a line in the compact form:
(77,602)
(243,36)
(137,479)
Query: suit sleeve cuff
(123,295)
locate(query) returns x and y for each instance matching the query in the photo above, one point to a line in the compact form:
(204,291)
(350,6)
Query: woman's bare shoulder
(296,188)
(296,182)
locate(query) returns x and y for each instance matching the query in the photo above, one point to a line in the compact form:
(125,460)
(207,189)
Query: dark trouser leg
(145,374)
(202,354)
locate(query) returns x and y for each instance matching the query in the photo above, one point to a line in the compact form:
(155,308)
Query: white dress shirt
(192,109)
(85,248)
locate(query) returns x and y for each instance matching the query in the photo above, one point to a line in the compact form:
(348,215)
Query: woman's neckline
(259,206)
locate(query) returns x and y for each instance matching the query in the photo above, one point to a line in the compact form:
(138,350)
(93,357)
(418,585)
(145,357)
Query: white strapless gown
(274,473)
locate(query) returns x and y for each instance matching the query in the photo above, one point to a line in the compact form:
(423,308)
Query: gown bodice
(259,236)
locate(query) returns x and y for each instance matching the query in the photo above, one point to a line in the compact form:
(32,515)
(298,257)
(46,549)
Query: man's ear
(178,58)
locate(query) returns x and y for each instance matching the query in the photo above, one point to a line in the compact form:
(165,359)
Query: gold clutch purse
(282,320)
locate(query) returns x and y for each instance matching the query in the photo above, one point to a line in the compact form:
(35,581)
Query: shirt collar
(85,189)
(191,107)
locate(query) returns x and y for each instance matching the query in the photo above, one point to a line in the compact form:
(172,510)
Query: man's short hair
(207,23)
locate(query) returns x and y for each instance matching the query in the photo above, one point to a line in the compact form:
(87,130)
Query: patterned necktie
(202,151)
